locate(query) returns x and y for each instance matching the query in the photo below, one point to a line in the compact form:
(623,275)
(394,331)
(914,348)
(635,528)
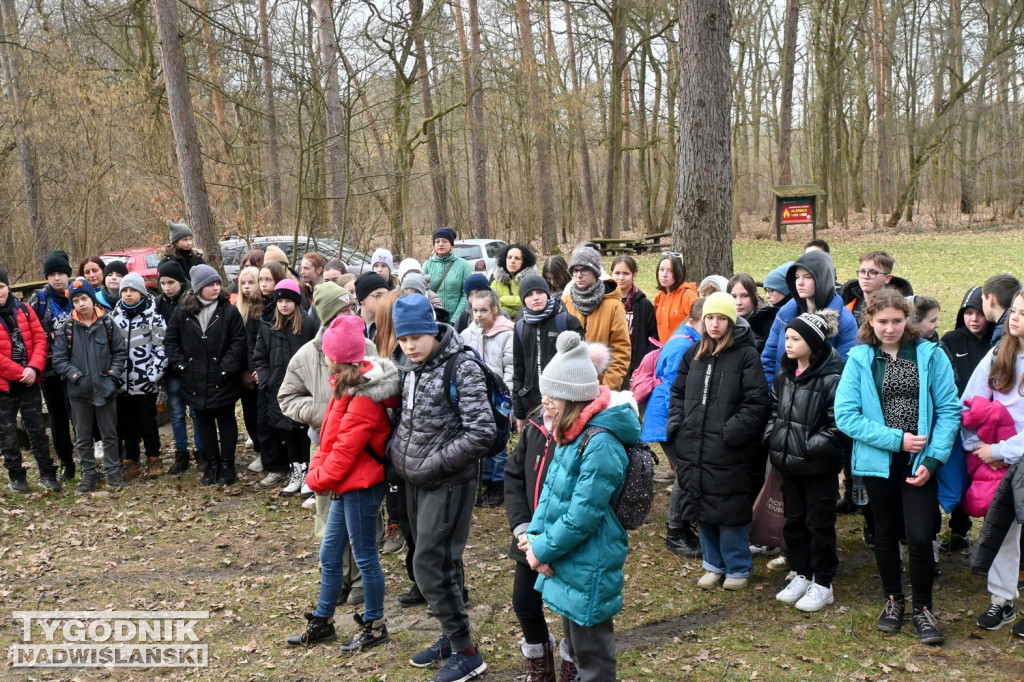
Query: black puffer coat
(761,323)
(716,417)
(525,471)
(431,445)
(1007,505)
(801,434)
(209,363)
(274,349)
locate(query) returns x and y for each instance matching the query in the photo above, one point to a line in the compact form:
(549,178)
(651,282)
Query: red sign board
(796,213)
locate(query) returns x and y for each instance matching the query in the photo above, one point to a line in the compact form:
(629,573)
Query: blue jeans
(352,518)
(494,467)
(726,550)
(176,399)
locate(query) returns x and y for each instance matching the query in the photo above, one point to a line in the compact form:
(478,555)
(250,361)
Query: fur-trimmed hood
(384,381)
(502,276)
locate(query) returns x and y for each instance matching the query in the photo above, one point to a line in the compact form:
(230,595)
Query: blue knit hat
(475,282)
(776,279)
(81,286)
(445,233)
(413,314)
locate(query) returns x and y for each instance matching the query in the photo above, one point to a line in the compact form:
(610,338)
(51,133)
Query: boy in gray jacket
(90,354)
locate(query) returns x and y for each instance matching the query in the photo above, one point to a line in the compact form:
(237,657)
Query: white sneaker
(310,503)
(295,479)
(816,598)
(256,466)
(709,580)
(248,442)
(779,563)
(767,550)
(274,478)
(794,591)
(97,450)
(306,491)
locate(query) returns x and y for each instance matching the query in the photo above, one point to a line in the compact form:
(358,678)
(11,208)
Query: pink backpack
(644,381)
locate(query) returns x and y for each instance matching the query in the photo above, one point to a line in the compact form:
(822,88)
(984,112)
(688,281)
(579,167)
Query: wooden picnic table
(612,246)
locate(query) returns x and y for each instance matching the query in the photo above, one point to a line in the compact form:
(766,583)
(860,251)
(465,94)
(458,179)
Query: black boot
(494,496)
(317,629)
(88,483)
(67,470)
(371,633)
(181,463)
(227,475)
(18,483)
(683,541)
(200,457)
(48,479)
(211,472)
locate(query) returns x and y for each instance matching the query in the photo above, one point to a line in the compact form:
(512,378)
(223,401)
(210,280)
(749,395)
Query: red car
(140,259)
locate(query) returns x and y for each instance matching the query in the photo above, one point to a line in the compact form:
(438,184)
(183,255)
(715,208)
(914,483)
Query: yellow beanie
(720,303)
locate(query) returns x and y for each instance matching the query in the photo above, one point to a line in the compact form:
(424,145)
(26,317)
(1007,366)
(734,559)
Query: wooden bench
(641,244)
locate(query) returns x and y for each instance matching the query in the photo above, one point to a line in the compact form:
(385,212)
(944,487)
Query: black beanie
(115,266)
(172,269)
(56,261)
(367,283)
(3,276)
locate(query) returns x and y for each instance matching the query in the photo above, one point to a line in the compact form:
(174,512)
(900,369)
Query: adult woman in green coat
(448,272)
(575,540)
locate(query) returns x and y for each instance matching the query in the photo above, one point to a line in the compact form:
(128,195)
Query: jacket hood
(611,289)
(825,363)
(972,299)
(384,381)
(450,342)
(742,333)
(502,324)
(822,269)
(620,417)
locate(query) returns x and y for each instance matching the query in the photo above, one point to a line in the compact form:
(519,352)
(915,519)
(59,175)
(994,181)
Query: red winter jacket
(35,345)
(355,421)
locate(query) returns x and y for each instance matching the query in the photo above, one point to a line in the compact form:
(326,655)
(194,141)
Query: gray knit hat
(587,257)
(414,281)
(179,231)
(133,280)
(202,276)
(571,374)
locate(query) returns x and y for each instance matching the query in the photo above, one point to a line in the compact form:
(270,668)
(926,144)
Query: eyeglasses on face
(578,269)
(870,274)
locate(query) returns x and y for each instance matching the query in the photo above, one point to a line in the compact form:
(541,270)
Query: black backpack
(497,395)
(634,502)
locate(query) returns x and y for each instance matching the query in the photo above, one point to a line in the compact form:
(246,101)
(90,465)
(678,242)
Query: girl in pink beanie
(350,467)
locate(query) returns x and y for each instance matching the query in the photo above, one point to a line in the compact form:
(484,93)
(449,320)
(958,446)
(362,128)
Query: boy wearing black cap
(52,306)
(22,359)
(369,288)
(448,272)
(110,294)
(90,353)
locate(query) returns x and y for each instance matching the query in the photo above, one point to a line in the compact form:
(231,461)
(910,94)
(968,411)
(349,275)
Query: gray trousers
(440,521)
(591,648)
(82,414)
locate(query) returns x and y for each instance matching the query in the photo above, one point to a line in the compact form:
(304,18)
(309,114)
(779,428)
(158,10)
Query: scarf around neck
(587,300)
(536,318)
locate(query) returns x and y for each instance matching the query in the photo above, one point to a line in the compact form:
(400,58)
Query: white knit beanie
(406,266)
(571,374)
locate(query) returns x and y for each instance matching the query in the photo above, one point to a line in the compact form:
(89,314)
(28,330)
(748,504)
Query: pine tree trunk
(273,160)
(702,228)
(183,124)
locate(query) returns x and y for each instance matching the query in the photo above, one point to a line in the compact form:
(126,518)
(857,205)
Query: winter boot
(539,662)
(227,474)
(181,463)
(210,472)
(683,541)
(115,479)
(67,470)
(48,479)
(154,467)
(494,496)
(88,482)
(200,457)
(18,483)
(371,633)
(318,628)
(568,672)
(131,469)
(296,475)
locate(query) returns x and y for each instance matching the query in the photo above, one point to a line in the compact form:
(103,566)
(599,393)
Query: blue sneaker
(460,668)
(438,651)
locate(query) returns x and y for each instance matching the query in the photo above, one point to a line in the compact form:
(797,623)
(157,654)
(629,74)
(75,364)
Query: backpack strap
(373,455)
(588,433)
(561,324)
(521,329)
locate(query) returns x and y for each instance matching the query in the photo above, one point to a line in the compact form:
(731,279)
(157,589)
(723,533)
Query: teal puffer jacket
(858,410)
(574,528)
(450,290)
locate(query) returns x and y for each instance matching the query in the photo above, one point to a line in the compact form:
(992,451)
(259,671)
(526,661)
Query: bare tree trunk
(473,94)
(183,124)
(581,133)
(22,130)
(336,180)
(702,226)
(882,68)
(786,109)
(273,161)
(541,132)
(437,182)
(627,158)
(613,195)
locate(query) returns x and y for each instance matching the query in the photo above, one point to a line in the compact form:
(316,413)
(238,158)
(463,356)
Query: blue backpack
(497,395)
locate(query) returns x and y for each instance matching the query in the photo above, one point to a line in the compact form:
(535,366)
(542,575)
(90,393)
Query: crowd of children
(820,380)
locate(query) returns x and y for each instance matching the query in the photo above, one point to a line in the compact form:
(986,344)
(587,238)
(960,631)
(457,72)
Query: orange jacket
(671,310)
(607,325)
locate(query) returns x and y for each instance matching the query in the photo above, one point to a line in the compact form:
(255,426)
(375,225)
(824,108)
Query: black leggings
(296,444)
(899,506)
(529,606)
(219,420)
(250,416)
